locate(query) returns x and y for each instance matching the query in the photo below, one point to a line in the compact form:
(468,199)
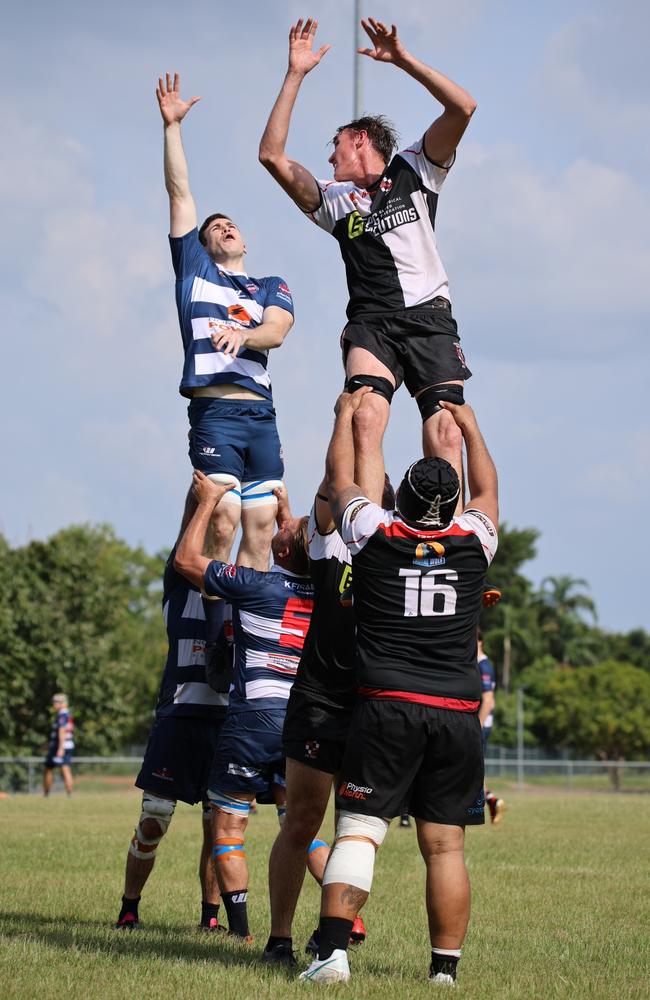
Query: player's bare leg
(221,529)
(230,865)
(370,420)
(442,438)
(210,895)
(258,526)
(308,792)
(66,774)
(48,780)
(447,894)
(157,812)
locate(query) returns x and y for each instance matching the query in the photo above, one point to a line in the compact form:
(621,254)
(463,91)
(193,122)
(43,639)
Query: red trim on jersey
(455,704)
(398,529)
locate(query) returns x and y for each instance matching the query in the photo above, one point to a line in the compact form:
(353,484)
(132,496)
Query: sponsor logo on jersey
(198,645)
(386,184)
(484,520)
(311,749)
(239,314)
(209,451)
(384,222)
(356,225)
(348,790)
(429,554)
(252,288)
(228,569)
(242,771)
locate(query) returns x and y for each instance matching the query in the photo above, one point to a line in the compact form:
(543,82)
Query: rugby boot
(280,954)
(491,596)
(358,932)
(127,923)
(404,821)
(334,969)
(441,979)
(212,926)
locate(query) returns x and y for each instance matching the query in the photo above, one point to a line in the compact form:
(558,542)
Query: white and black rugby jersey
(386,235)
(417,601)
(327,664)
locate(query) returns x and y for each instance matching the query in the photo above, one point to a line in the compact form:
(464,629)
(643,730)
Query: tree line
(80,612)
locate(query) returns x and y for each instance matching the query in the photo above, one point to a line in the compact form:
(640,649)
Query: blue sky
(542,227)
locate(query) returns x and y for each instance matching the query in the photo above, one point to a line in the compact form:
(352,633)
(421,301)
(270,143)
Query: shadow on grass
(168,943)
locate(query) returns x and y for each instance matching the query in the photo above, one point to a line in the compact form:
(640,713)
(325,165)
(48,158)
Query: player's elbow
(182,564)
(468,107)
(268,156)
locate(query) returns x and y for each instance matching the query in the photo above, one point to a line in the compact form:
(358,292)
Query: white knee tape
(232,496)
(160,810)
(351,862)
(228,803)
(355,825)
(259,492)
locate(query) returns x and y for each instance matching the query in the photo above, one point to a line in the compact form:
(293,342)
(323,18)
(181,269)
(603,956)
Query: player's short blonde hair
(60,696)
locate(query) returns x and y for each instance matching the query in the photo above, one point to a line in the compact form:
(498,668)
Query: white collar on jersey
(237,274)
(287,572)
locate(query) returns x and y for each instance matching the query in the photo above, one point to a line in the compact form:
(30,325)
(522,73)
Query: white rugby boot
(334,969)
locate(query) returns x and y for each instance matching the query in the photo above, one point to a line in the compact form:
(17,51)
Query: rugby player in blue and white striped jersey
(229,322)
(271,616)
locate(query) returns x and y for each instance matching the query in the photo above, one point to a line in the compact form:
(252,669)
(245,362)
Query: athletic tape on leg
(159,810)
(429,400)
(227,848)
(315,844)
(352,862)
(228,803)
(259,492)
(232,496)
(380,386)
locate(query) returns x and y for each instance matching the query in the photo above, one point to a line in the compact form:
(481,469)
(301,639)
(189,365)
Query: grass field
(561,907)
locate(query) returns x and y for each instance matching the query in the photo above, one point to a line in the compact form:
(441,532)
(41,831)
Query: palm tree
(563,607)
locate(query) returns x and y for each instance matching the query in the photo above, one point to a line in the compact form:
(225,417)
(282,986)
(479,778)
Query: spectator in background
(486,718)
(59,751)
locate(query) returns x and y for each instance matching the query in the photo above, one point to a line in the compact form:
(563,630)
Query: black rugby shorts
(315,733)
(420,345)
(402,752)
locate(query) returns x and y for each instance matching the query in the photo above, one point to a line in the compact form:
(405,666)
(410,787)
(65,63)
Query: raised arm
(189,559)
(296,180)
(339,464)
(182,210)
(445,133)
(481,471)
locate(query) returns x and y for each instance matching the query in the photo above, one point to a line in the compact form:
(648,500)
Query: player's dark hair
(299,549)
(210,218)
(428,493)
(388,495)
(381,132)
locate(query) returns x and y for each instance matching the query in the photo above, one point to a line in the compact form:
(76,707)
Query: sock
(272,941)
(129,906)
(208,912)
(334,934)
(444,960)
(235,903)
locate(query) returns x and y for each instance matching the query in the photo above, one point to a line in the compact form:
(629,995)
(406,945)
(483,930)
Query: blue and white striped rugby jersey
(184,690)
(63,718)
(270,615)
(207,294)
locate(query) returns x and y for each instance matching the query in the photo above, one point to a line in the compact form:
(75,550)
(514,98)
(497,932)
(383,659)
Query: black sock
(443,963)
(272,941)
(235,903)
(333,933)
(208,911)
(129,906)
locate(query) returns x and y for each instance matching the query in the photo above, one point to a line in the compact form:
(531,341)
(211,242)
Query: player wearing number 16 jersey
(418,575)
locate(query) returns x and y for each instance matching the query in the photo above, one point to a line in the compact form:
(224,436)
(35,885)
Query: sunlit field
(561,906)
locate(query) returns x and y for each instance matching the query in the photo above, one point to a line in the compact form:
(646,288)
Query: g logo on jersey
(356,225)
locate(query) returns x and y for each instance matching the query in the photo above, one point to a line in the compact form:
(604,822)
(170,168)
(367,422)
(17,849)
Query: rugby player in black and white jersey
(381,209)
(317,723)
(417,577)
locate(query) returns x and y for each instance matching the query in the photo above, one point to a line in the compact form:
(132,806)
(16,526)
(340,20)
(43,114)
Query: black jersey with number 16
(417,601)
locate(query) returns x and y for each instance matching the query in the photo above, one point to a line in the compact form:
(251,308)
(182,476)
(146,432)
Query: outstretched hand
(349,402)
(463,414)
(302,57)
(172,106)
(386,45)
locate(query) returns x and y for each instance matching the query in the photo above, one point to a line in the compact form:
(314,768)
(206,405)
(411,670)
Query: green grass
(561,907)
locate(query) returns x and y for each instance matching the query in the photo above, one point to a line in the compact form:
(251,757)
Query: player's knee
(370,420)
(227,849)
(445,434)
(429,399)
(231,813)
(352,859)
(380,387)
(154,822)
(301,826)
(450,841)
